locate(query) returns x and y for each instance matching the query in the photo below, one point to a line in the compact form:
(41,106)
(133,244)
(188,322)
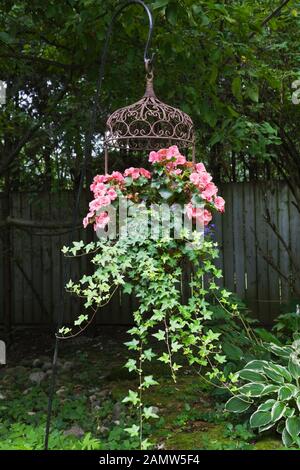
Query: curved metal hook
(147,60)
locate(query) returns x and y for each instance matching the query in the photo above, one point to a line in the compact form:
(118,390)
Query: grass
(89,396)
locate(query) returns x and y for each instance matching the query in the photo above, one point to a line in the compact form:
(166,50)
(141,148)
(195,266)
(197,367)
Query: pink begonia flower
(210,191)
(133,172)
(145,173)
(99,202)
(200,167)
(180,160)
(219,203)
(163,153)
(86,219)
(116,175)
(207,216)
(201,180)
(189,210)
(204,179)
(100,179)
(111,193)
(154,157)
(85,222)
(202,215)
(101,220)
(96,187)
(194,178)
(172,152)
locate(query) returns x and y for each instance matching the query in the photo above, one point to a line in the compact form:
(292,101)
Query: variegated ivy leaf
(133,431)
(132,397)
(148,381)
(131,365)
(80,320)
(149,413)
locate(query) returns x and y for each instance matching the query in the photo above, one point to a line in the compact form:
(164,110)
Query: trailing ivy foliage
(152,271)
(272,390)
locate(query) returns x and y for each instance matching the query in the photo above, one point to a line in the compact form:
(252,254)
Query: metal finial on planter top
(149,124)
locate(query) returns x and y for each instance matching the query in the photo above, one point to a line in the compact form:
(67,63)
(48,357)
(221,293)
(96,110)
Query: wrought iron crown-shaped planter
(149,124)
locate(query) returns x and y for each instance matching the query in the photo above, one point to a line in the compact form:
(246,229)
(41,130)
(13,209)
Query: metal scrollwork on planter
(149,124)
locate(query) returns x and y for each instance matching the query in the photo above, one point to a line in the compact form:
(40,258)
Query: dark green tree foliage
(237,88)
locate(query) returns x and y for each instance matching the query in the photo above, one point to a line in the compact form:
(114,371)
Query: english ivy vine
(151,269)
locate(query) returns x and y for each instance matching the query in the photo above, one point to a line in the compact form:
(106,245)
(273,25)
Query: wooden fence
(36,265)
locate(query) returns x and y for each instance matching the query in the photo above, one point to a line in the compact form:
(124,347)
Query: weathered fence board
(250,247)
(246,241)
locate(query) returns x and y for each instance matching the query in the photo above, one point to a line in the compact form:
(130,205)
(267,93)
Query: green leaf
(232,351)
(266,427)
(133,431)
(236,87)
(164,358)
(131,365)
(280,427)
(160,4)
(80,320)
(149,413)
(281,351)
(293,426)
(172,13)
(252,389)
(160,335)
(165,193)
(6,38)
(298,402)
(253,93)
(289,412)
(175,346)
(149,354)
(238,404)
(294,368)
(267,405)
(278,410)
(286,392)
(270,389)
(133,344)
(287,438)
(272,374)
(281,370)
(260,418)
(132,397)
(148,381)
(127,288)
(256,365)
(220,358)
(252,376)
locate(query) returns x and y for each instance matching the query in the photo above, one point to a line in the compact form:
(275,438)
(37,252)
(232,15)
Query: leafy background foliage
(237,90)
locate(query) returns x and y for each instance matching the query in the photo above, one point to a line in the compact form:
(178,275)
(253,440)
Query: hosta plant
(271,391)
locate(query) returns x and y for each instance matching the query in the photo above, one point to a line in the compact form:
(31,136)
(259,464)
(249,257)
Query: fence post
(7,278)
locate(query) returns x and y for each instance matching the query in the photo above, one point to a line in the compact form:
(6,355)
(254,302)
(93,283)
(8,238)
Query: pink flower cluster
(135,173)
(171,157)
(103,188)
(104,194)
(198,213)
(202,180)
(177,170)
